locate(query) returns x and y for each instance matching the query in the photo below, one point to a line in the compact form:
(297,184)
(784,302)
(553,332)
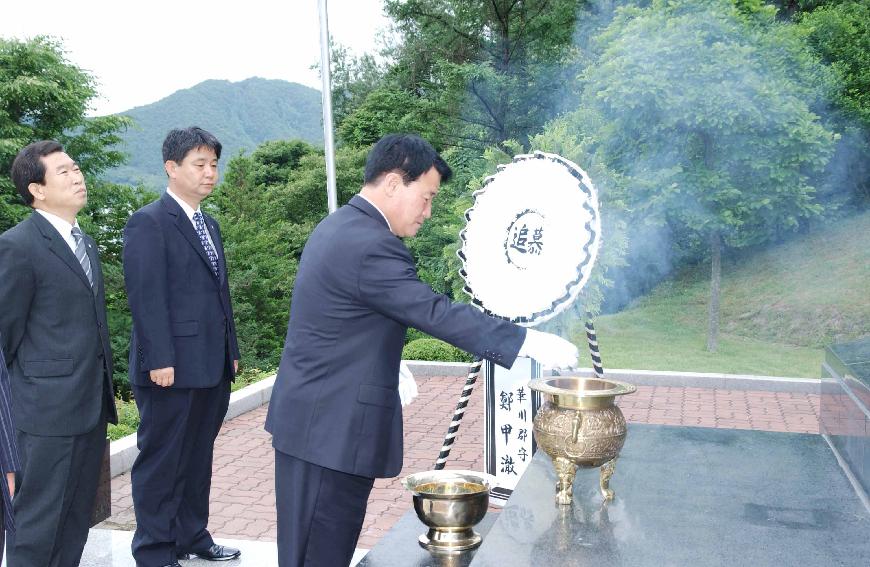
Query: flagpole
(328,139)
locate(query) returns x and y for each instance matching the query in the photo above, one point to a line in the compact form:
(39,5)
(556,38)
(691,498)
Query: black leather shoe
(214,553)
(173,564)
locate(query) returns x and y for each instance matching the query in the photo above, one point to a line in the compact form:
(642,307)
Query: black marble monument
(845,405)
(684,497)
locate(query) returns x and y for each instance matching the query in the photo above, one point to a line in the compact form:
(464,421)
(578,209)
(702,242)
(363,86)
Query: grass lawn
(652,340)
(779,308)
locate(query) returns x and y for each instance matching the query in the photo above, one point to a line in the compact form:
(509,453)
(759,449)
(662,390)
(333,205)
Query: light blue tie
(206,244)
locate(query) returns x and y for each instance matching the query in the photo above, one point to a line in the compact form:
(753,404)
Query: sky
(140,52)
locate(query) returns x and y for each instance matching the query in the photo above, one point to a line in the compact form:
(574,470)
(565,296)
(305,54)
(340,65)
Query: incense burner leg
(607,472)
(565,470)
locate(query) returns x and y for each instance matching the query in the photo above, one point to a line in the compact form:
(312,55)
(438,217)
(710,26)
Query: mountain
(242,115)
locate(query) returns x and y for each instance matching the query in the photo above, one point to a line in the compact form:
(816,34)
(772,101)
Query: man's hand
(10,480)
(549,350)
(164,377)
(235,367)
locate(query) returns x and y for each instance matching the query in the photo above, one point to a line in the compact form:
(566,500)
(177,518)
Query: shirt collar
(59,224)
(188,210)
(378,210)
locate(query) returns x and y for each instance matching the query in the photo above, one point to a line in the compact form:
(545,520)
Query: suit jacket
(54,331)
(9,461)
(335,402)
(182,315)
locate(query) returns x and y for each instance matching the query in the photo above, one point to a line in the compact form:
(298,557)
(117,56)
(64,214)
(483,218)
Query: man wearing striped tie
(56,341)
(183,354)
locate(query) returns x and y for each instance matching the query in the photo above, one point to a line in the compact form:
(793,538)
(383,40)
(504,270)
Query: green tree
(44,96)
(840,33)
(353,78)
(489,71)
(703,115)
(788,9)
(386,110)
(268,203)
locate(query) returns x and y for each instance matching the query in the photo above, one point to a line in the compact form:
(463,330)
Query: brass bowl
(576,392)
(579,425)
(450,503)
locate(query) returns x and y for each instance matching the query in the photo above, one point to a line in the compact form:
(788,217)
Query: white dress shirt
(63,227)
(190,212)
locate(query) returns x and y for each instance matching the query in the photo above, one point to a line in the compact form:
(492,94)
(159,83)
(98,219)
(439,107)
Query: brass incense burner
(578,425)
(450,503)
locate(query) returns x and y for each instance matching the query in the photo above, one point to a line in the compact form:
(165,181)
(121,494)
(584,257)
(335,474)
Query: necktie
(206,244)
(82,253)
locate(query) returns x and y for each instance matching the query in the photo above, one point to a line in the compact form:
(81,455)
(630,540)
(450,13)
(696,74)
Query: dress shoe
(214,553)
(173,564)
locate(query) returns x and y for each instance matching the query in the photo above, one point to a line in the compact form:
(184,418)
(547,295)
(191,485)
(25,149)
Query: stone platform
(690,496)
(684,496)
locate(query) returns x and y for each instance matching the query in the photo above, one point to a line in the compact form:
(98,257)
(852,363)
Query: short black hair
(410,155)
(28,168)
(179,141)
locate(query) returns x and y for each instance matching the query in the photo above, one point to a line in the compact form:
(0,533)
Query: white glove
(549,350)
(407,385)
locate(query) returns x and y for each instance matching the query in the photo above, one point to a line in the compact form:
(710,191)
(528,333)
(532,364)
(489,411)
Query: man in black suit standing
(183,354)
(335,413)
(54,332)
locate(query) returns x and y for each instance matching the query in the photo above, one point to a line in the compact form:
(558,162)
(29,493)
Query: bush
(128,420)
(432,350)
(121,383)
(414,334)
(248,376)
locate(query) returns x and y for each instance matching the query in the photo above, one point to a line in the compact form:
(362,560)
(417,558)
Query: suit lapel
(58,246)
(185,227)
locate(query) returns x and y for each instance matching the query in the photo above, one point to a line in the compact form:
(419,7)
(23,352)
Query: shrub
(414,334)
(434,349)
(248,376)
(128,420)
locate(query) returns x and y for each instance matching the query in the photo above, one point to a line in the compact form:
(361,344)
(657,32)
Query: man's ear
(170,167)
(37,190)
(392,183)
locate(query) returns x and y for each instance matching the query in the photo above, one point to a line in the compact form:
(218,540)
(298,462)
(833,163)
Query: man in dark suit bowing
(183,354)
(335,413)
(56,341)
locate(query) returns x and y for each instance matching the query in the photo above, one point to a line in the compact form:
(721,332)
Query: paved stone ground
(243,500)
